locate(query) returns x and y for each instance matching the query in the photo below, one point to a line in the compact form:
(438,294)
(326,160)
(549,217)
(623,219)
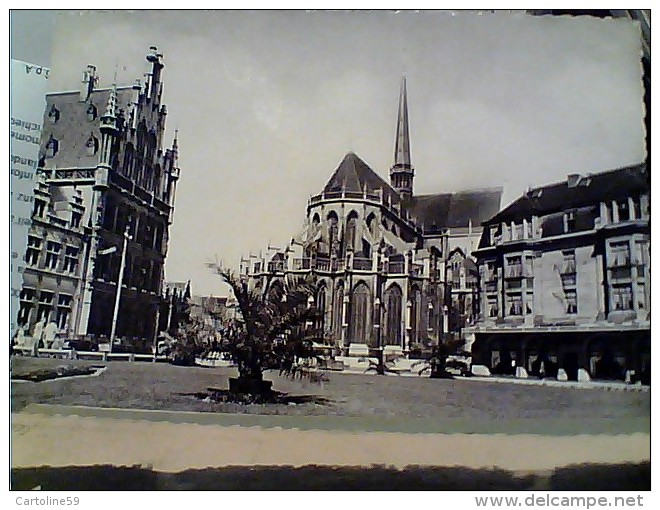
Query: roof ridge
(590,174)
(99,89)
(468,190)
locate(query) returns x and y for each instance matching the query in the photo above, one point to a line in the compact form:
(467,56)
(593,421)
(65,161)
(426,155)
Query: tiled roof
(454,210)
(354,175)
(591,189)
(72,129)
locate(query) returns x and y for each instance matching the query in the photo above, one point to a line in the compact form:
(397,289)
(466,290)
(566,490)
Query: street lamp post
(113,331)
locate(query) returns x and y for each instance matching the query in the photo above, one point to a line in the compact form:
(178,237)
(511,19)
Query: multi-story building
(102,155)
(52,275)
(565,284)
(462,292)
(378,252)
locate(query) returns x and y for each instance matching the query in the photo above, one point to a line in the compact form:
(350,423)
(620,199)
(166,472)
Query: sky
(268,103)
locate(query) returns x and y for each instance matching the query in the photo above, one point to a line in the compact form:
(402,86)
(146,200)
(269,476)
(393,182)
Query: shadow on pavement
(103,477)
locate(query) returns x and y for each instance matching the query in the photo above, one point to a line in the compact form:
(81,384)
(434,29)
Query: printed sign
(28,85)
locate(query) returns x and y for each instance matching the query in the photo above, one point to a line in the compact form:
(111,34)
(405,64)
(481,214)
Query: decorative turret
(109,131)
(109,118)
(402,172)
(153,84)
(173,170)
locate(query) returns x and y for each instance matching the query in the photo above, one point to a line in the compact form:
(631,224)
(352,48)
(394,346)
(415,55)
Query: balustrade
(362,264)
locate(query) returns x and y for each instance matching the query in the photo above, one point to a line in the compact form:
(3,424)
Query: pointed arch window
(127,165)
(157,179)
(351,228)
(338,310)
(359,324)
(320,306)
(333,221)
(371,224)
(393,308)
(415,308)
(91,112)
(92,145)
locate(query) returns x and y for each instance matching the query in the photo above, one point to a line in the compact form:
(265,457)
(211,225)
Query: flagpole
(119,285)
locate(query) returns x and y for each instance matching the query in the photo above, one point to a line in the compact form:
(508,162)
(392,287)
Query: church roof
(454,210)
(354,175)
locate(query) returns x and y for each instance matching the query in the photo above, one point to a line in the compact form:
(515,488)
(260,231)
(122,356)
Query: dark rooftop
(453,210)
(355,175)
(583,191)
(72,127)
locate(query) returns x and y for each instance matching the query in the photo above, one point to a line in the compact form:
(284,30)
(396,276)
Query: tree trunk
(249,385)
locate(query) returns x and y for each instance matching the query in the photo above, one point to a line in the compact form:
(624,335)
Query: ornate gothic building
(103,172)
(380,254)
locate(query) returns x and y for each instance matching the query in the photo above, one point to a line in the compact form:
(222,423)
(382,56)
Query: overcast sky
(268,103)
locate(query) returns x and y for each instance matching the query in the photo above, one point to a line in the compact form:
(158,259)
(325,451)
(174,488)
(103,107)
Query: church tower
(402,172)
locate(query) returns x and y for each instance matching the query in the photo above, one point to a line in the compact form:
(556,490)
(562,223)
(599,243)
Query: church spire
(402,149)
(402,173)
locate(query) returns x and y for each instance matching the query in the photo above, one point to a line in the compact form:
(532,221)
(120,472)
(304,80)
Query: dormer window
(53,114)
(569,221)
(52,146)
(92,145)
(91,112)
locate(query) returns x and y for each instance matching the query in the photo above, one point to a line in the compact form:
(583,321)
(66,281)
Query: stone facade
(379,253)
(564,274)
(52,275)
(105,145)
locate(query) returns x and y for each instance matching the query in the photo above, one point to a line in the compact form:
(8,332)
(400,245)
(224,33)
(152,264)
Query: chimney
(154,57)
(88,81)
(573,180)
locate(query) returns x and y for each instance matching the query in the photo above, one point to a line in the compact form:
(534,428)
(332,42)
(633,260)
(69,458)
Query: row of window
(56,259)
(141,274)
(620,253)
(149,233)
(140,169)
(625,209)
(627,289)
(39,211)
(46,307)
(515,305)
